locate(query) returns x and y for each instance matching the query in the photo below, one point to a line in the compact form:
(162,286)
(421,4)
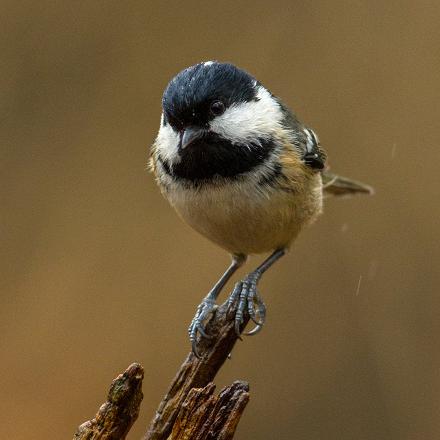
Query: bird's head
(217,120)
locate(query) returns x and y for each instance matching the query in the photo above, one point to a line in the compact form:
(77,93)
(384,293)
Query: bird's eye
(217,108)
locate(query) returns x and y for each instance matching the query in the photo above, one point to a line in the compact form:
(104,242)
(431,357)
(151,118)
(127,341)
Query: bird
(240,168)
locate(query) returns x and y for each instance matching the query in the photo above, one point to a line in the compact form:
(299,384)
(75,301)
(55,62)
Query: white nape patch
(246,122)
(208,63)
(167,142)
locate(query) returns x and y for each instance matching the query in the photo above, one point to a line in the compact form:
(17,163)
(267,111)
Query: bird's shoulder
(304,140)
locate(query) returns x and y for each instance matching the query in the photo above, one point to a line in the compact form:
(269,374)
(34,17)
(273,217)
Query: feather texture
(342,186)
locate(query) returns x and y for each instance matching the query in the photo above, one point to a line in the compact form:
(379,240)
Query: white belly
(241,218)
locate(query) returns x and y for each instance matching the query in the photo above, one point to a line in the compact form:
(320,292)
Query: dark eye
(217,108)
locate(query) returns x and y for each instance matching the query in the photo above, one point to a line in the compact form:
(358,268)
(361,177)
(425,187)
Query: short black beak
(190,135)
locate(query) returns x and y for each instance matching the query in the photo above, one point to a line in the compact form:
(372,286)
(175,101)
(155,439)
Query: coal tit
(242,170)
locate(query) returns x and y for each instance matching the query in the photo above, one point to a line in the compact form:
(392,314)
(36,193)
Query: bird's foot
(246,294)
(204,310)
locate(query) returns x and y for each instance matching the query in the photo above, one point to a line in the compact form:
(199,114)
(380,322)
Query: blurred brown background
(97,271)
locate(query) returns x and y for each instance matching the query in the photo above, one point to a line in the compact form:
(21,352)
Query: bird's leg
(207,306)
(247,294)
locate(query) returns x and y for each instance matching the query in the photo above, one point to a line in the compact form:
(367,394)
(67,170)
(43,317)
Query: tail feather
(342,186)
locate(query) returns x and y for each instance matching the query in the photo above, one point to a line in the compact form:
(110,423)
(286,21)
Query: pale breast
(244,218)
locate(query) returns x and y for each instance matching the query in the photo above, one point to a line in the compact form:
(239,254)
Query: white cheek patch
(247,121)
(167,142)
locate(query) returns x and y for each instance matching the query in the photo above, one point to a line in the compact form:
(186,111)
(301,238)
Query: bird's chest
(242,218)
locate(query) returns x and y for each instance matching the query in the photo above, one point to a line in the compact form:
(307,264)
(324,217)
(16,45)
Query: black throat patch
(213,157)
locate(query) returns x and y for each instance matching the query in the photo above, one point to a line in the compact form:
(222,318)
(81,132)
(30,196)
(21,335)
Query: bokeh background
(97,271)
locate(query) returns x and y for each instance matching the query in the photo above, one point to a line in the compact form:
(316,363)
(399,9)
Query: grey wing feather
(342,186)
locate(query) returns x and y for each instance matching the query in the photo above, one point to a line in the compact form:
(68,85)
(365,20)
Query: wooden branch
(196,373)
(116,416)
(204,416)
(189,410)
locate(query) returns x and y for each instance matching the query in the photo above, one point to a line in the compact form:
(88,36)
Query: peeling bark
(116,416)
(196,373)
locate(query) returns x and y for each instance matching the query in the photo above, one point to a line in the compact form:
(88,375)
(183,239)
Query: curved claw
(262,313)
(254,331)
(201,330)
(255,321)
(196,327)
